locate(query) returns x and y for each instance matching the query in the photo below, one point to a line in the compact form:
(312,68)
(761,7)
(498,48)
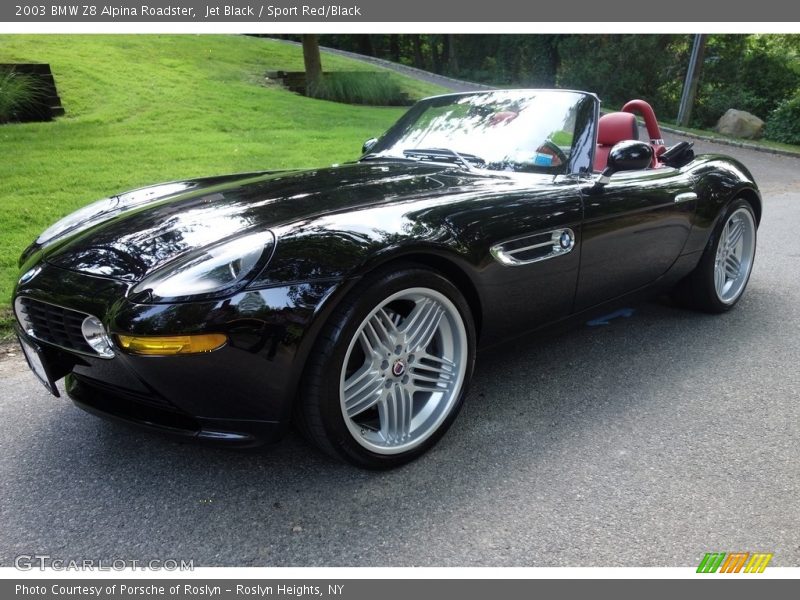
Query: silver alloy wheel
(734,259)
(403,371)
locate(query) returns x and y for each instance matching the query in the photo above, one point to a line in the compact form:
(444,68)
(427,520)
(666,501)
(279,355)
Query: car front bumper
(240,394)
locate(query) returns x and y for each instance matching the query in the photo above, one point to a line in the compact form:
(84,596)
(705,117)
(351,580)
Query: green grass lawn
(143,109)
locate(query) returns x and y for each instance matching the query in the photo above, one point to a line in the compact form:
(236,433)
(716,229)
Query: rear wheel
(390,372)
(719,280)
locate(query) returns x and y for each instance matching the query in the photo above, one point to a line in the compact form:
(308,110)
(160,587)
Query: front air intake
(54,325)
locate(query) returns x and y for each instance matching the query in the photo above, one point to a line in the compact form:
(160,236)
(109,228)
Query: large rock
(740,124)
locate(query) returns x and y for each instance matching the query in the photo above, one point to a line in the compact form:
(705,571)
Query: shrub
(374,89)
(19,92)
(747,73)
(783,124)
(715,100)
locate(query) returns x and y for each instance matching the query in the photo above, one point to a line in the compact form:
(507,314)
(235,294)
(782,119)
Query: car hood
(157,227)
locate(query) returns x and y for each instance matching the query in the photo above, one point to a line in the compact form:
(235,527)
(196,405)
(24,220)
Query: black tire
(697,290)
(319,410)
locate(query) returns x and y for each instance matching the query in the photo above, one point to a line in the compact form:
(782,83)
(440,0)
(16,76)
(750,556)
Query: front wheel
(719,280)
(390,372)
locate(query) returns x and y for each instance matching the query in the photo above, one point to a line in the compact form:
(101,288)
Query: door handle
(685,197)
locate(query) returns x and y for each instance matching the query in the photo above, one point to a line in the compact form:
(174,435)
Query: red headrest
(616,127)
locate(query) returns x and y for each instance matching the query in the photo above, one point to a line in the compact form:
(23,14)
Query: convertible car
(350,300)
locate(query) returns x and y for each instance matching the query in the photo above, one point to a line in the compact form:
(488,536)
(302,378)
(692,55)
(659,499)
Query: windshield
(519,130)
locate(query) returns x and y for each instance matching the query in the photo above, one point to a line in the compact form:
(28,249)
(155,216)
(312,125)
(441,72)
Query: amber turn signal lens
(169,345)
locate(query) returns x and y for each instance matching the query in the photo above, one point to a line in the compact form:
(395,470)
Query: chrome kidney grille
(53,324)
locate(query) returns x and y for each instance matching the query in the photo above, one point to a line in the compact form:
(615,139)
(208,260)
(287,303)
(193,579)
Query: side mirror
(369,145)
(629,155)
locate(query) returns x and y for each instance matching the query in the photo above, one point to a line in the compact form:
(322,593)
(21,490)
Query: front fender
(347,245)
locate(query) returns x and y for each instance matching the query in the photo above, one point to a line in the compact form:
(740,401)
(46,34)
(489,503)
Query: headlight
(212,271)
(81,217)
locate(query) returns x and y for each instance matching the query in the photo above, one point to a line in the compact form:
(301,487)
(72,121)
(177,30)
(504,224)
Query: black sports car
(351,299)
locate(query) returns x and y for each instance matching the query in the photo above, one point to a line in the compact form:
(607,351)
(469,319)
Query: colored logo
(398,368)
(734,562)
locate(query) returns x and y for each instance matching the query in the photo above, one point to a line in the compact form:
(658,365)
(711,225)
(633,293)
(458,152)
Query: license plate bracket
(38,364)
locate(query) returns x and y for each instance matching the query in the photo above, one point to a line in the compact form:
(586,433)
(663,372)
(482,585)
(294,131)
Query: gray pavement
(645,442)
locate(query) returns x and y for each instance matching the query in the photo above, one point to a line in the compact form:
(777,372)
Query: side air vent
(533,248)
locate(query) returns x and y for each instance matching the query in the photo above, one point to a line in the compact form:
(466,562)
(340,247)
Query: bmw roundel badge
(29,274)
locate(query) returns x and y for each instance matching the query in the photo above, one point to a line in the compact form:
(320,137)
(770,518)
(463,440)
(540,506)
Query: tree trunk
(419,61)
(365,45)
(553,60)
(394,47)
(452,59)
(436,57)
(311,59)
(445,56)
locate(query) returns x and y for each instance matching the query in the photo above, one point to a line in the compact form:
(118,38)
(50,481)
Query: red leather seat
(611,129)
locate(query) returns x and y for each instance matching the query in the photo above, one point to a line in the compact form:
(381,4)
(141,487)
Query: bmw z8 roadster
(350,300)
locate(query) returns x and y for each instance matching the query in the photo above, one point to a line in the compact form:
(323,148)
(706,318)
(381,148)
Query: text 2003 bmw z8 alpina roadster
(350,300)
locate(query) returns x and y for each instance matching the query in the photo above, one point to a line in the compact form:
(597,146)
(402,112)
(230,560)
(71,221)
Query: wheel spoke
(383,324)
(395,414)
(417,314)
(362,390)
(735,234)
(439,363)
(366,343)
(421,324)
(431,369)
(719,278)
(730,226)
(732,267)
(376,334)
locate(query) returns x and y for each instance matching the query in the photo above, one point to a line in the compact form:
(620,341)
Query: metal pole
(692,77)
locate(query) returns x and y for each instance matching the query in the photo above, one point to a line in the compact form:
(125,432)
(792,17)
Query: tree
(394,47)
(416,42)
(450,53)
(311,59)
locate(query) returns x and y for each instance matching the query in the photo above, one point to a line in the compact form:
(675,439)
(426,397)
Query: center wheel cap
(398,368)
